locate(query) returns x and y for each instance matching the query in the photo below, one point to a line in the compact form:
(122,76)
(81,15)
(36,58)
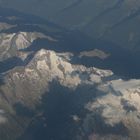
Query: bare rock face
(119,105)
(11,44)
(26,85)
(50,97)
(116,101)
(114,21)
(47,66)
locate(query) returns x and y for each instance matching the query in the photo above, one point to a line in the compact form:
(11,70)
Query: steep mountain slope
(108,98)
(114,21)
(11,43)
(112,26)
(51,89)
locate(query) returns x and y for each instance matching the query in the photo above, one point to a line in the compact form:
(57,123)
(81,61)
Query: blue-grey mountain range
(69,70)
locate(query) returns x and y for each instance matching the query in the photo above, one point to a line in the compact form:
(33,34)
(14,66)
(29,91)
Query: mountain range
(113,21)
(61,84)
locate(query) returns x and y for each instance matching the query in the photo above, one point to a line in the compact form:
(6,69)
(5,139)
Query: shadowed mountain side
(74,4)
(104,12)
(1,80)
(49,95)
(60,106)
(113,20)
(10,63)
(12,16)
(123,63)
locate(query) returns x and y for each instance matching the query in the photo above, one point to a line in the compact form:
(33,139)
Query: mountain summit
(50,74)
(114,21)
(56,85)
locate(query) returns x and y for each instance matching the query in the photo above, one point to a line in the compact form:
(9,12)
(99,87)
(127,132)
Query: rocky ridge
(11,44)
(119,104)
(93,103)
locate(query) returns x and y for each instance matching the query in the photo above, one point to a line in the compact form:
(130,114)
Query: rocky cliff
(46,93)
